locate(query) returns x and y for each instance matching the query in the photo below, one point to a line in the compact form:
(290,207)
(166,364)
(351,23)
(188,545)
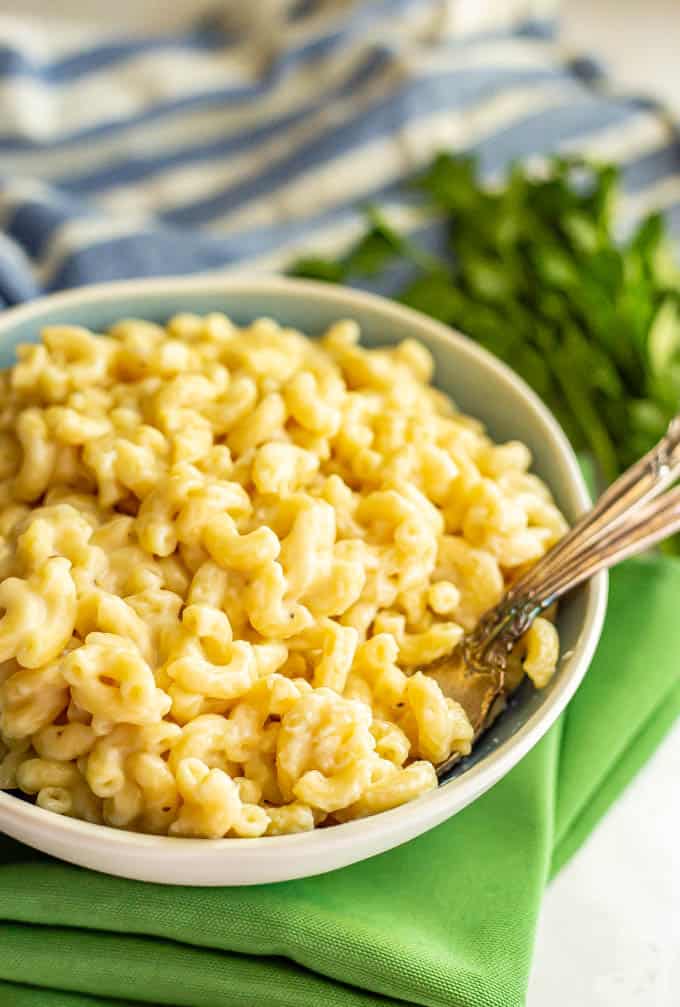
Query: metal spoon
(627,519)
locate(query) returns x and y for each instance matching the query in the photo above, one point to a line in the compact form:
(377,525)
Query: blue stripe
(532,30)
(128,170)
(590,70)
(523,138)
(33,223)
(169,245)
(206,36)
(506,144)
(16,283)
(214,97)
(434,93)
(169,250)
(158,253)
(544,132)
(659,163)
(496,152)
(315,49)
(672,214)
(539,28)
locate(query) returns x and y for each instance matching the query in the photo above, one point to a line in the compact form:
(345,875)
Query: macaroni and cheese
(225,556)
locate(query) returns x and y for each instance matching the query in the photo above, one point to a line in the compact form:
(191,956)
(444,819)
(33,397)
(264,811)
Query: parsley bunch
(532,270)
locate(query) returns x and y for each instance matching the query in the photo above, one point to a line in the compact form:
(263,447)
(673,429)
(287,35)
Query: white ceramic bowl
(482,387)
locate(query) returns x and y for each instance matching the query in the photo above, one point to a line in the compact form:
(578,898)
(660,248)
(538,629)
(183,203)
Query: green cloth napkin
(446,920)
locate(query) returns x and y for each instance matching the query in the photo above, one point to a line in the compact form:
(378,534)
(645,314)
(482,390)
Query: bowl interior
(478,384)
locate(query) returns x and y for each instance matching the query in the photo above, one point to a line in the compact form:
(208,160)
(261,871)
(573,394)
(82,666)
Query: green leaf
(376,249)
(663,342)
(487,278)
(313,267)
(434,295)
(647,418)
(582,232)
(451,183)
(555,268)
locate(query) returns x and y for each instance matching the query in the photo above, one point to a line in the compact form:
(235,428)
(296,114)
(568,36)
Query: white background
(609,935)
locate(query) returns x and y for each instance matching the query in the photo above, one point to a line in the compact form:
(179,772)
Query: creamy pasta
(225,556)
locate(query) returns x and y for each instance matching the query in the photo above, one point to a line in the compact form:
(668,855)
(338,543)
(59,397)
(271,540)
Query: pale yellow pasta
(64,742)
(376,663)
(212,805)
(441,724)
(339,644)
(543,647)
(390,741)
(109,677)
(443,597)
(393,789)
(39,613)
(325,749)
(31,699)
(293,817)
(226,555)
(12,754)
(422,648)
(228,680)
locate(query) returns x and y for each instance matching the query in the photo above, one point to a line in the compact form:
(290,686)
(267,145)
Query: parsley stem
(593,430)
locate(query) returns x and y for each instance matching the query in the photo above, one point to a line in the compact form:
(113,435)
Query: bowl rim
(457,792)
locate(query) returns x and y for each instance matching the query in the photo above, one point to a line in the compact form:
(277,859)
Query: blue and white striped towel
(247,141)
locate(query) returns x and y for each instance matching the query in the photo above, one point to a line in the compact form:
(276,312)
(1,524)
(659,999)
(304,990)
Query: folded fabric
(445,921)
(237,142)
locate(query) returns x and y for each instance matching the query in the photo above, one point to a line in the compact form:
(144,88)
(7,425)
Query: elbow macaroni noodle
(225,554)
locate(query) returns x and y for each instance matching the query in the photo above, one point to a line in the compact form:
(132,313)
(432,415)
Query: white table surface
(609,934)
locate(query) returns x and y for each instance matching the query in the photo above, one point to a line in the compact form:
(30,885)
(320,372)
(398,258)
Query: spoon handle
(642,482)
(630,517)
